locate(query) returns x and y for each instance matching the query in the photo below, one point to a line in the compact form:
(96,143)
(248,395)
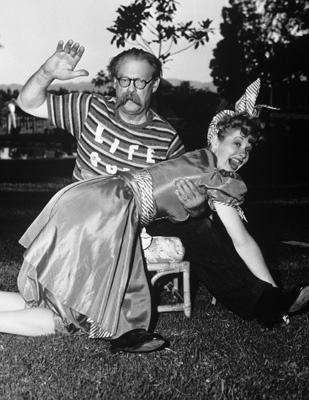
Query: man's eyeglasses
(138,83)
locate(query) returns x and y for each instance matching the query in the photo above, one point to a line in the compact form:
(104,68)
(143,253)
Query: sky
(31,29)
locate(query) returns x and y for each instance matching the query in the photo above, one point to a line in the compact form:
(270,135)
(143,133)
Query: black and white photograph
(154,199)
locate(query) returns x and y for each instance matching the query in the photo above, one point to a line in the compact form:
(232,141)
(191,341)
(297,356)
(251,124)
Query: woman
(84,249)
(221,263)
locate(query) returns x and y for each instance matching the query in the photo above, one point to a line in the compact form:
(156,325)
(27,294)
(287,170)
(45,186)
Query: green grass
(212,355)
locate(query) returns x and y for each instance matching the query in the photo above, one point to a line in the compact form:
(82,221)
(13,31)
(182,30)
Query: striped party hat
(245,104)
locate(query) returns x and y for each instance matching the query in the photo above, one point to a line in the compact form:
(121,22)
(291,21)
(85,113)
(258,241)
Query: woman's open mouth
(235,163)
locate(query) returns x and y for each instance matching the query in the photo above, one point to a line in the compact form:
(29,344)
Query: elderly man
(113,134)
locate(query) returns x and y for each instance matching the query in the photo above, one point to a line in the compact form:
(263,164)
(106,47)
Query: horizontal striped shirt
(105,143)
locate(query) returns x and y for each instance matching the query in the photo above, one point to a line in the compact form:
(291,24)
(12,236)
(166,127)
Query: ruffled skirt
(83,252)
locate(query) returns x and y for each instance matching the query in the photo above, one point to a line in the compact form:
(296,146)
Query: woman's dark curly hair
(248,125)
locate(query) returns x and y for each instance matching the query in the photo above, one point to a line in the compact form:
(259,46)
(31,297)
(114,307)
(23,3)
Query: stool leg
(186,290)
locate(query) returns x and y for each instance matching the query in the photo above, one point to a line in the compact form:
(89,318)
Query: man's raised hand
(62,63)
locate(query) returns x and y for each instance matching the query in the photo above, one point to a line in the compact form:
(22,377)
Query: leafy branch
(149,23)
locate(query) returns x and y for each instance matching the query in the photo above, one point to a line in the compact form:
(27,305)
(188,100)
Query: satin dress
(83,255)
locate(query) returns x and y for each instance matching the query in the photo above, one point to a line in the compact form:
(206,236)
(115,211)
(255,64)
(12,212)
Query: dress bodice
(200,167)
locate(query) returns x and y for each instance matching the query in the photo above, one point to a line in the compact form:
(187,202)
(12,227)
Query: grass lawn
(212,355)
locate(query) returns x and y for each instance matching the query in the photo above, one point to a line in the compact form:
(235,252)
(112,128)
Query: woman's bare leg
(28,322)
(11,301)
(18,320)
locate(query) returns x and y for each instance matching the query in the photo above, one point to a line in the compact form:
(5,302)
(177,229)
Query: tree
(257,34)
(7,96)
(194,109)
(102,79)
(149,23)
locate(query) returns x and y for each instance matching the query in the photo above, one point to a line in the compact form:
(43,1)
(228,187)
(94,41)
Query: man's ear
(156,85)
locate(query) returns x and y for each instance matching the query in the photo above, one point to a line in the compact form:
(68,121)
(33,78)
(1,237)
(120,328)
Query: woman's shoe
(300,300)
(275,306)
(138,341)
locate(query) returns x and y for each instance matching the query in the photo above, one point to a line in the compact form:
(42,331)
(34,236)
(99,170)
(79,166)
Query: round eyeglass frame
(138,83)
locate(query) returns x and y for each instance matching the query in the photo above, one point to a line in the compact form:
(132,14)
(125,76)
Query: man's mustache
(126,97)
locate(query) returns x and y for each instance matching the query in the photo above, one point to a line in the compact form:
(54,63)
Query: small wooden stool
(165,256)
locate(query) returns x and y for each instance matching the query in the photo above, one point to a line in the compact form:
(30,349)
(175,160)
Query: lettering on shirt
(111,169)
(114,146)
(98,134)
(133,148)
(94,158)
(150,153)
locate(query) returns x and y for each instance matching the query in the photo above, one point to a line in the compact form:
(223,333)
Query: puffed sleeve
(224,187)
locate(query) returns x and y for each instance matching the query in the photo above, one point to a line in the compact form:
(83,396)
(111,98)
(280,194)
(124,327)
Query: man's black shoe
(138,341)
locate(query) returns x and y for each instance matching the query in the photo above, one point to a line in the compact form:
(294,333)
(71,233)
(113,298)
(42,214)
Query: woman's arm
(243,242)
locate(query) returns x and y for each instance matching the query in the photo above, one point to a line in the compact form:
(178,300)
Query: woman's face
(233,151)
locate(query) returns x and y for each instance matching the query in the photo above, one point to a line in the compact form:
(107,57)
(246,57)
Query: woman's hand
(192,198)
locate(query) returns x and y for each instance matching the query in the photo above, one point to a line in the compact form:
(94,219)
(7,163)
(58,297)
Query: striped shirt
(105,143)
